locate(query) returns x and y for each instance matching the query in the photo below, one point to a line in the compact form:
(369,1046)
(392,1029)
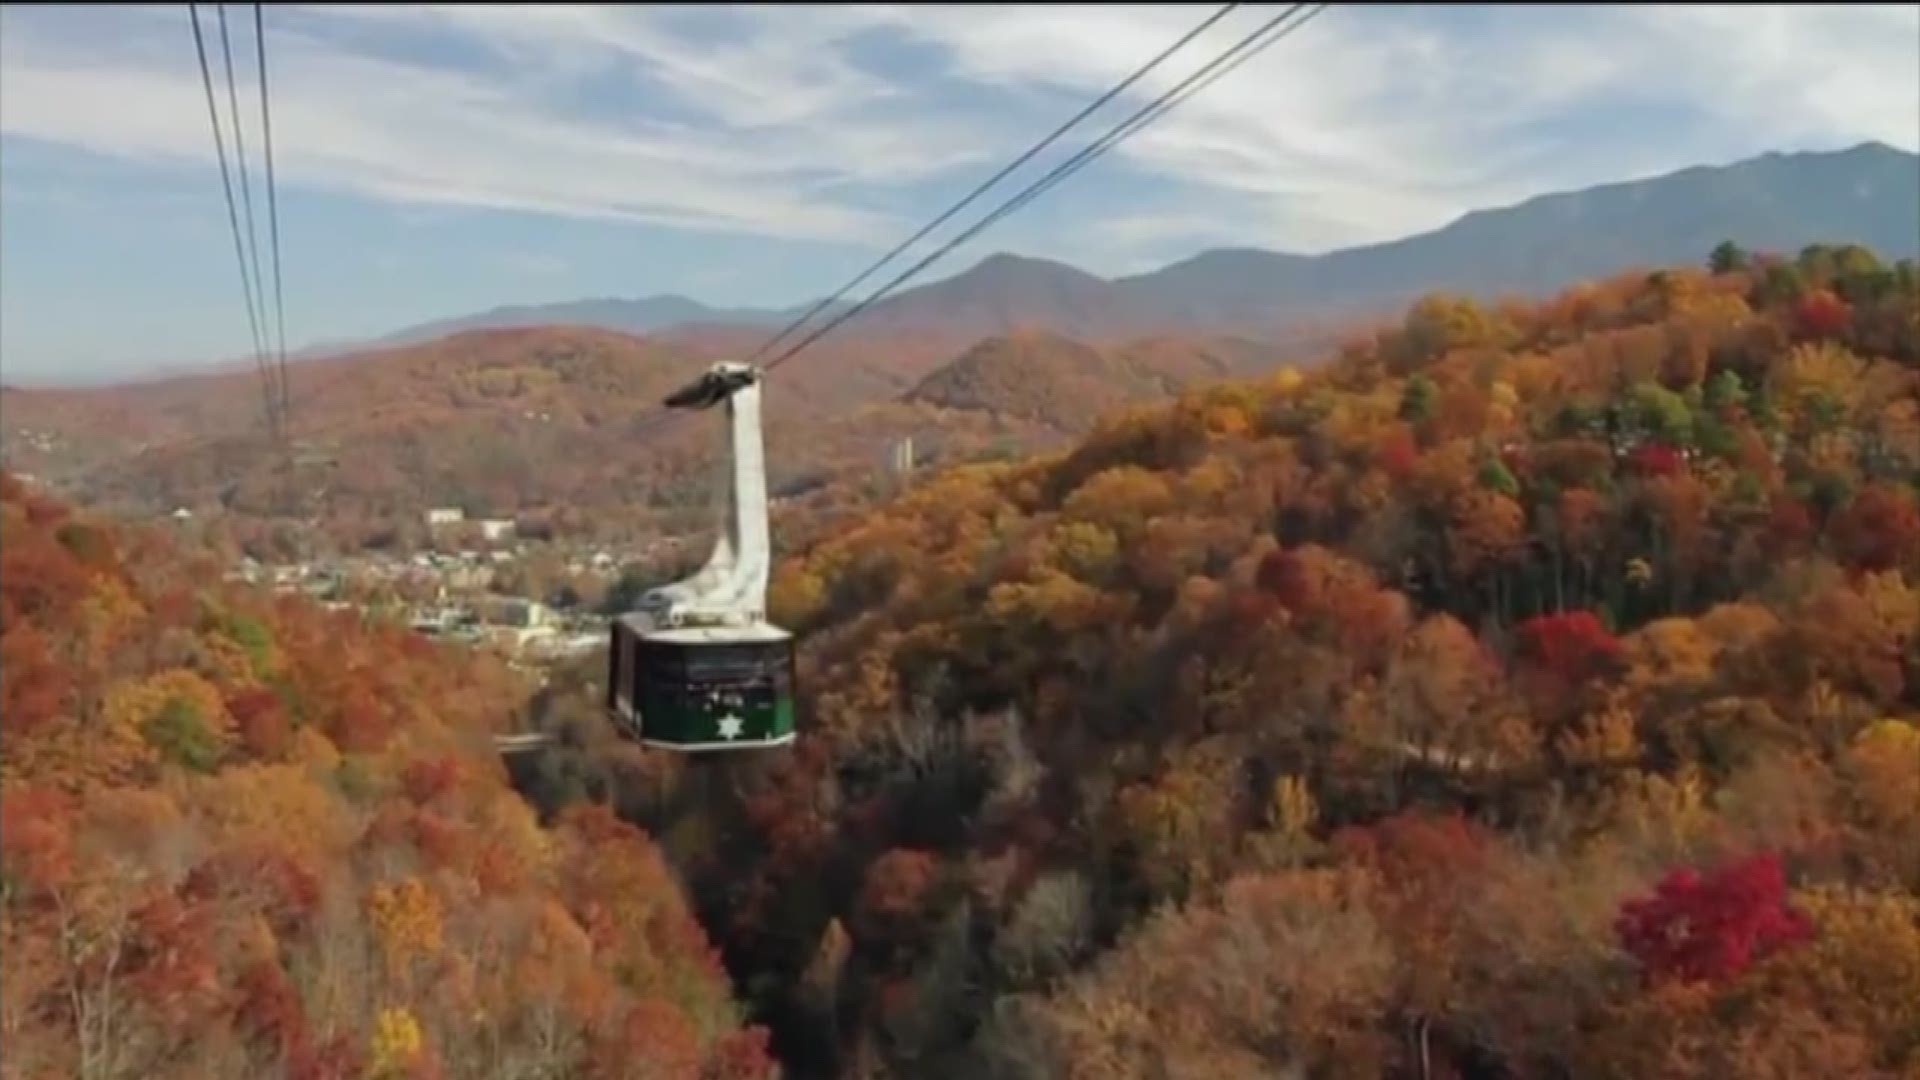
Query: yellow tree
(407,919)
(1883,765)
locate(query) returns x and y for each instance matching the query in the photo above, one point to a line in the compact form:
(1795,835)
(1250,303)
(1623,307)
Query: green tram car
(699,688)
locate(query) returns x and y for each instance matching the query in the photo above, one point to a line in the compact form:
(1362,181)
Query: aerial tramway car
(697,666)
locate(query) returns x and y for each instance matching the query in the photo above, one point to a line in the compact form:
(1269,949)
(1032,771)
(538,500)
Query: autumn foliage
(1532,690)
(1712,927)
(1529,691)
(243,837)
(1571,645)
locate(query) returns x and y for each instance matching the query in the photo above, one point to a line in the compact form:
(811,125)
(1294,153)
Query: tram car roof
(639,624)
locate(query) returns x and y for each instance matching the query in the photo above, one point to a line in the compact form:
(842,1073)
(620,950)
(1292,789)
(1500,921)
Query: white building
(446,515)
(497,528)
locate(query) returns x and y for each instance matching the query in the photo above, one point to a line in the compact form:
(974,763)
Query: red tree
(1711,927)
(36,837)
(272,882)
(1415,851)
(40,581)
(655,1038)
(170,961)
(1879,529)
(896,890)
(1656,459)
(898,881)
(1789,524)
(339,1058)
(1282,574)
(1820,314)
(36,687)
(269,1009)
(741,1055)
(426,779)
(261,721)
(1573,645)
(1396,454)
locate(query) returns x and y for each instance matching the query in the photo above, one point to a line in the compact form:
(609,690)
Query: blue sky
(437,160)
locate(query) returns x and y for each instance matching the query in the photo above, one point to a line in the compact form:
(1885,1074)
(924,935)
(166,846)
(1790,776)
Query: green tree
(1495,476)
(1420,400)
(1663,413)
(182,737)
(1727,258)
(1725,391)
(1781,284)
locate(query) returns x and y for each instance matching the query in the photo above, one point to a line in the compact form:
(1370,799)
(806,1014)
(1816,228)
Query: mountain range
(1868,194)
(642,316)
(1014,352)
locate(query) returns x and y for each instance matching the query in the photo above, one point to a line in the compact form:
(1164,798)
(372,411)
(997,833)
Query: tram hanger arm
(713,387)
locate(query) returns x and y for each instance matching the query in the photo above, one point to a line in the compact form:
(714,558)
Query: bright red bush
(1572,645)
(1711,927)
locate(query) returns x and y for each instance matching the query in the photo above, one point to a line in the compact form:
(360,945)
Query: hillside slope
(242,837)
(1528,692)
(552,420)
(498,421)
(1066,384)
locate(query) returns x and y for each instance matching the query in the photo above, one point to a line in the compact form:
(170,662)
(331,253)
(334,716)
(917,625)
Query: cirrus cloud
(788,122)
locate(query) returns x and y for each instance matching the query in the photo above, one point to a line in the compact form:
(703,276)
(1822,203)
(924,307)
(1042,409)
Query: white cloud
(1369,123)
(413,132)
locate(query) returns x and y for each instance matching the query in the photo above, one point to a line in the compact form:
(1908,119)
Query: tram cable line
(273,217)
(1088,110)
(246,196)
(254,316)
(1248,47)
(1262,38)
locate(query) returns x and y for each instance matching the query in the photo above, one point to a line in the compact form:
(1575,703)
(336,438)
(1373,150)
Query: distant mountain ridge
(1868,194)
(643,316)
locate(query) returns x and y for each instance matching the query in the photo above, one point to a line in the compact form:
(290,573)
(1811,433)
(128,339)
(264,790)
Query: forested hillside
(561,423)
(1533,691)
(242,837)
(1067,385)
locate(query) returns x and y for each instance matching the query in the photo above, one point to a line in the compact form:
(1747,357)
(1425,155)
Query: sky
(433,161)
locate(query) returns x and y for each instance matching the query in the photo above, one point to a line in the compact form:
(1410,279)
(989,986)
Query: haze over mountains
(1869,194)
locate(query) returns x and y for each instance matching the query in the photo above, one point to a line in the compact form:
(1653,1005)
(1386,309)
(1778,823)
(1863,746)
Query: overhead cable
(1116,90)
(273,214)
(233,220)
(1248,47)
